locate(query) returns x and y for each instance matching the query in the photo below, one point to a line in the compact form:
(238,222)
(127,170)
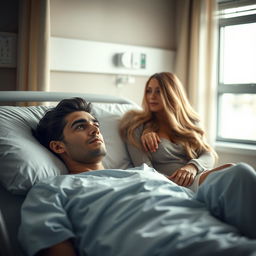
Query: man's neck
(80,167)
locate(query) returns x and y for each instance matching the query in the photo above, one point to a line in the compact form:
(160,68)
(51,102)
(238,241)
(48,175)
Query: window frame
(231,88)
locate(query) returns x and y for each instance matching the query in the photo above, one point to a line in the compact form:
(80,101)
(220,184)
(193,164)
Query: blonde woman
(166,135)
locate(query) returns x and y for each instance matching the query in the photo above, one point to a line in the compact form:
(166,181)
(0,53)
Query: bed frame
(10,203)
(41,96)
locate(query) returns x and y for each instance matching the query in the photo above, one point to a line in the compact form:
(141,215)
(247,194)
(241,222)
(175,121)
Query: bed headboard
(42,96)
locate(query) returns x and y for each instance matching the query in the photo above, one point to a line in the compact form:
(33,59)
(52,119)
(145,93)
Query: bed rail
(42,96)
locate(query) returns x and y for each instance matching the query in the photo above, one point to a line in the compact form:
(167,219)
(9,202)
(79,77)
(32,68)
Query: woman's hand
(184,176)
(150,141)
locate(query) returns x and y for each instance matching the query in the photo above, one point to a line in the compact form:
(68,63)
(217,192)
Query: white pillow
(24,161)
(109,116)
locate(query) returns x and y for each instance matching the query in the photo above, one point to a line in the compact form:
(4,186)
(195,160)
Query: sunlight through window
(237,75)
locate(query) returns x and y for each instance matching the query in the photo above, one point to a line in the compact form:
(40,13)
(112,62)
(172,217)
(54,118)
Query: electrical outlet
(8,44)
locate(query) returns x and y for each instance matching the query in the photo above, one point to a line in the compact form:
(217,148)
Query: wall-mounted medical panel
(73,55)
(8,47)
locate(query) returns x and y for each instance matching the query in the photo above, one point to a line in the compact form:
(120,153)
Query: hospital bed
(24,162)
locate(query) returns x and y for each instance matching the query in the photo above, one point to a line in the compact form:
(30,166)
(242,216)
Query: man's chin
(99,152)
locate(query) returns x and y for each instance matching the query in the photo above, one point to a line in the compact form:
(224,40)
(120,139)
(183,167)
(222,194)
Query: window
(236,120)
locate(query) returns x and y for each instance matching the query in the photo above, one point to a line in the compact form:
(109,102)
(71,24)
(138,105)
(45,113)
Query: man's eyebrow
(95,120)
(83,120)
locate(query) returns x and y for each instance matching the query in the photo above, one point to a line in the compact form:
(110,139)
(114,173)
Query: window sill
(235,148)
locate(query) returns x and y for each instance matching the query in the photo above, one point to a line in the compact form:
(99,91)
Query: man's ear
(57,146)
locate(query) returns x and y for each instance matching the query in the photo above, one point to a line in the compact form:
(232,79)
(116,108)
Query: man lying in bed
(130,212)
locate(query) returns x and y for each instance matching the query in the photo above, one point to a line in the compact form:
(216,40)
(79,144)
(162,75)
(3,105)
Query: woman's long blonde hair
(181,117)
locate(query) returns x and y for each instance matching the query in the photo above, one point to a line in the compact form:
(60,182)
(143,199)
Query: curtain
(33,45)
(196,57)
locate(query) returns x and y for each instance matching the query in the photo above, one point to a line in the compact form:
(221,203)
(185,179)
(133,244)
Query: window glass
(237,118)
(238,43)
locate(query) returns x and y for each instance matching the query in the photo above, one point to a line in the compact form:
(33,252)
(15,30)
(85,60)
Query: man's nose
(94,129)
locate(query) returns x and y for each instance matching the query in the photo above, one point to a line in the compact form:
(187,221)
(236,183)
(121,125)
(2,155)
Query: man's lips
(95,139)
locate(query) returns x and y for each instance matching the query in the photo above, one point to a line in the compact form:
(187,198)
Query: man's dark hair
(51,126)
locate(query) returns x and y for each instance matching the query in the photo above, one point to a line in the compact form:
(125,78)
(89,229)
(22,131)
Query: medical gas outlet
(131,60)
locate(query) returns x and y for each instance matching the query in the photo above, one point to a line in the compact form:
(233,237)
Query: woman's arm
(204,162)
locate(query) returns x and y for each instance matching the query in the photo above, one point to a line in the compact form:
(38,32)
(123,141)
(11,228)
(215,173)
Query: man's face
(83,141)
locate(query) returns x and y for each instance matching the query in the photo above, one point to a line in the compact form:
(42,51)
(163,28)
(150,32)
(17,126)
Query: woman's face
(153,96)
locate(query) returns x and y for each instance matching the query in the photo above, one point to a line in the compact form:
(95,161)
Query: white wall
(97,83)
(139,22)
(147,23)
(236,154)
(226,157)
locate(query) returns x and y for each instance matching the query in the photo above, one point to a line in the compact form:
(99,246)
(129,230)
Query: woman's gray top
(168,157)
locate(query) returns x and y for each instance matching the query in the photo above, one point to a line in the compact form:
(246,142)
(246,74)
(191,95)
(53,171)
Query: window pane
(238,116)
(238,54)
